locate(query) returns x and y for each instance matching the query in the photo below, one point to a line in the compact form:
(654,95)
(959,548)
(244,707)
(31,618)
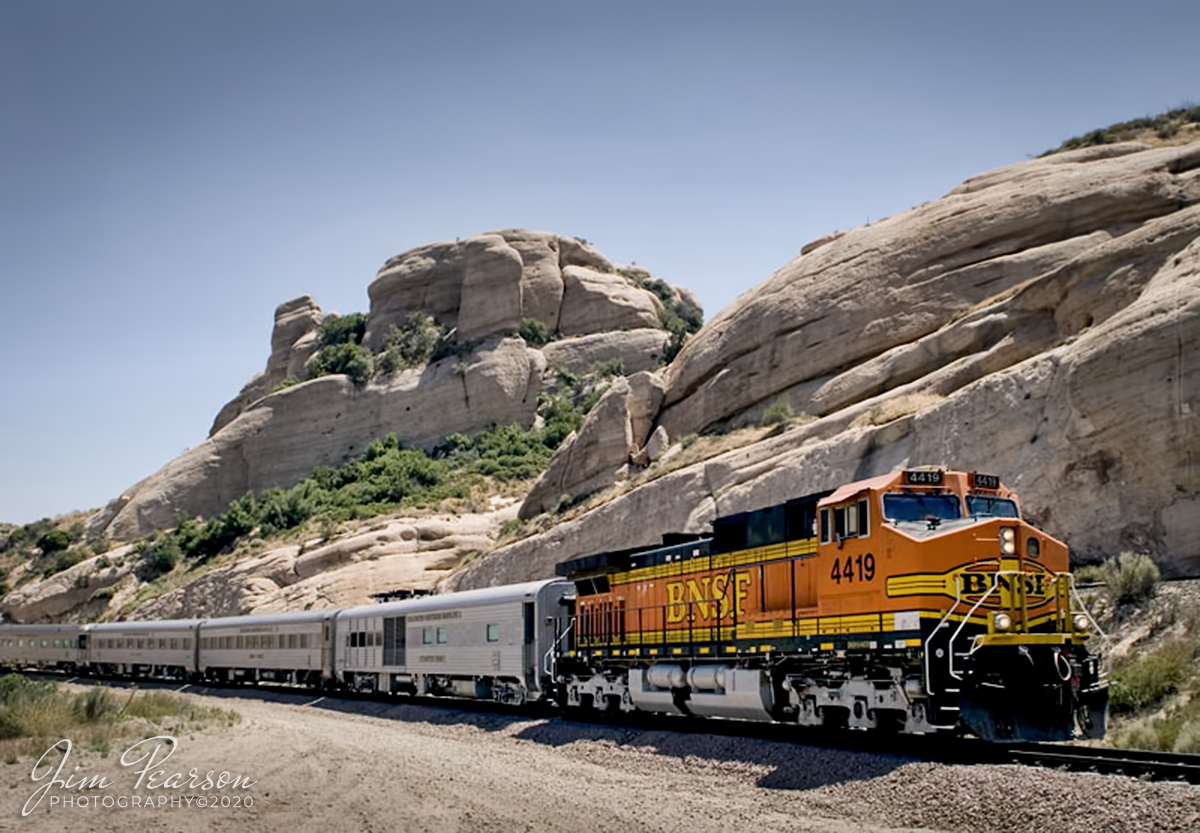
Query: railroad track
(1136,763)
(1164,766)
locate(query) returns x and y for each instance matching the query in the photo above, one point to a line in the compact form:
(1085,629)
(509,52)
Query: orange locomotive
(916,601)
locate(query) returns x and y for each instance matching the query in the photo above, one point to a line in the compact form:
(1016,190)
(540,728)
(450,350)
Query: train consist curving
(918,601)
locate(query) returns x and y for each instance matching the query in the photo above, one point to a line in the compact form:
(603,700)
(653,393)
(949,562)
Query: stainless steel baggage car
(278,647)
(62,647)
(145,649)
(493,644)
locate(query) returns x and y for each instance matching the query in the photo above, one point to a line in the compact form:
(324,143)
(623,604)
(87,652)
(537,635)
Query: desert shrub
(1165,125)
(54,541)
(1147,680)
(62,561)
(590,399)
(534,332)
(155,705)
(280,509)
(559,419)
(1188,739)
(660,288)
(610,367)
(348,358)
(288,382)
(505,452)
(411,344)
(95,705)
(565,376)
(674,345)
(511,528)
(159,554)
(343,329)
(778,412)
(1142,734)
(101,545)
(31,708)
(1130,577)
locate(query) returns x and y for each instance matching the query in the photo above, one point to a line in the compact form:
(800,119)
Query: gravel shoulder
(326,764)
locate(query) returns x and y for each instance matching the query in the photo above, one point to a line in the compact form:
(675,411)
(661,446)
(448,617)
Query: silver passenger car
(496,643)
(144,649)
(279,647)
(44,646)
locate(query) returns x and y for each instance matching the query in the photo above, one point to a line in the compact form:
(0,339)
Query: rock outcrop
(1041,321)
(481,289)
(610,438)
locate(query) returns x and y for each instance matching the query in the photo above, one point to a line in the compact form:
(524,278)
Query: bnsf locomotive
(918,601)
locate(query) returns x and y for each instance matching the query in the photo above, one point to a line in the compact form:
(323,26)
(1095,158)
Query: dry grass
(894,408)
(36,714)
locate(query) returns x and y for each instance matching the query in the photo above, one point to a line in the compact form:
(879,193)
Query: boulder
(491,289)
(293,341)
(598,454)
(638,350)
(597,302)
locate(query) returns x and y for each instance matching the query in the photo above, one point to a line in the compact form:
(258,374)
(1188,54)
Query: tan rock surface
(638,350)
(598,454)
(881,286)
(597,302)
(412,553)
(1041,322)
(483,286)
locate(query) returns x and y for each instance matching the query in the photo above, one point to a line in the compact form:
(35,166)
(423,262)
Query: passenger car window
(493,633)
(442,636)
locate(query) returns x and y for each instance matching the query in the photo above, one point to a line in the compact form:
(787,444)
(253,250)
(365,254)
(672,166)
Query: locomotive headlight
(1008,541)
(1081,622)
(1002,622)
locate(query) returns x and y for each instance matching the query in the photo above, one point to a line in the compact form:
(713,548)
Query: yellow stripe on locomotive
(923,561)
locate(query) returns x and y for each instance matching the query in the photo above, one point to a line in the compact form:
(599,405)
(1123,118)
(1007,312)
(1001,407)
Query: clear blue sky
(171,171)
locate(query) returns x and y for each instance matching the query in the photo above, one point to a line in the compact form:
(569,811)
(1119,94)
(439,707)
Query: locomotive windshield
(914,507)
(986,506)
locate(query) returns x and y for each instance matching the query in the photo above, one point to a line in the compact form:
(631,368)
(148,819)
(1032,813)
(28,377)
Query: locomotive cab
(985,595)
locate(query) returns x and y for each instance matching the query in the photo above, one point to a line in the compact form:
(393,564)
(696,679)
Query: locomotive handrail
(547,665)
(971,612)
(940,625)
(1077,599)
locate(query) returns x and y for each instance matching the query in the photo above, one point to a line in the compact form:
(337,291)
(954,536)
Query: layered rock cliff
(481,290)
(1041,321)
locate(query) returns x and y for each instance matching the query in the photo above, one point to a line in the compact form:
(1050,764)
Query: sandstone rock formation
(481,288)
(347,570)
(1041,321)
(612,435)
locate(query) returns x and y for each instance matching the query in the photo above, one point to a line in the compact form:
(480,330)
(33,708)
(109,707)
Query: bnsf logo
(977,584)
(708,597)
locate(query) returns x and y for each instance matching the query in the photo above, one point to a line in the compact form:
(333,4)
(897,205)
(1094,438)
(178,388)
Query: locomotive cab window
(849,521)
(921,507)
(986,506)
